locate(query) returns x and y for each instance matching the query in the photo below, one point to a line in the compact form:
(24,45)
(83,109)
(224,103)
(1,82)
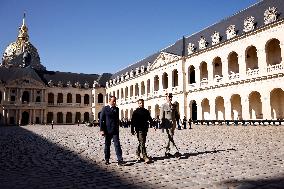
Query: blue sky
(92,36)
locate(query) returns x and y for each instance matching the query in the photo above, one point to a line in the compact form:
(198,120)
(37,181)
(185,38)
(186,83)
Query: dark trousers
(117,146)
(141,135)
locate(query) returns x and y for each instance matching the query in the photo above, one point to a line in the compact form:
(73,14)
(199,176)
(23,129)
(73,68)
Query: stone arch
(69,98)
(236,107)
(219,108)
(78,98)
(193,110)
(165,80)
(68,117)
(277,103)
(233,63)
(117,94)
(273,52)
(59,98)
(136,90)
(100,98)
(157,110)
(25,118)
(142,88)
(203,71)
(86,99)
(49,117)
(86,117)
(255,105)
(175,78)
(251,58)
(217,67)
(131,90)
(59,117)
(126,92)
(26,97)
(156,83)
(191,74)
(148,86)
(78,117)
(205,109)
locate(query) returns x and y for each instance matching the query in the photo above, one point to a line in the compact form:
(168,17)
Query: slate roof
(257,11)
(8,74)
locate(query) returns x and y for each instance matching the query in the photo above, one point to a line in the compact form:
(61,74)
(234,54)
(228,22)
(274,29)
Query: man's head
(112,100)
(169,97)
(141,103)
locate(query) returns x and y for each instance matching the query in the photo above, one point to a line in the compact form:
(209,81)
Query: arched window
(69,117)
(26,97)
(49,117)
(50,99)
(165,81)
(69,98)
(100,98)
(251,58)
(273,52)
(59,98)
(86,117)
(175,78)
(191,74)
(38,99)
(59,117)
(78,117)
(86,99)
(78,98)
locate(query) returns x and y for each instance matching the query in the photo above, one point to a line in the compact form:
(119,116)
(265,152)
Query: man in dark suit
(109,127)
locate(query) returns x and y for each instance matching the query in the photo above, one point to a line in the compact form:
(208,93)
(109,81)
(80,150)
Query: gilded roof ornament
(190,48)
(215,38)
(202,43)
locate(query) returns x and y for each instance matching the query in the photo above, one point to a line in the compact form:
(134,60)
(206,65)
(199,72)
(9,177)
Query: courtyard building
(30,94)
(230,70)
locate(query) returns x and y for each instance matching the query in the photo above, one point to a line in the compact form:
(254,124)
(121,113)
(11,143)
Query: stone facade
(240,77)
(29,94)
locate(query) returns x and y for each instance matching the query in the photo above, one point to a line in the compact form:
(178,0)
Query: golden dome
(13,55)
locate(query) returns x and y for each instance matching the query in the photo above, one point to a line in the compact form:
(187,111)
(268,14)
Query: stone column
(228,108)
(262,65)
(170,81)
(242,64)
(266,105)
(210,73)
(199,109)
(225,68)
(212,108)
(161,83)
(245,106)
(197,76)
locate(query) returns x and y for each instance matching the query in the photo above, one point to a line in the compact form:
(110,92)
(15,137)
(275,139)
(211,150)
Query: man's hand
(102,133)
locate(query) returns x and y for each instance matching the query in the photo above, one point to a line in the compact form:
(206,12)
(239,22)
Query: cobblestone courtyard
(212,157)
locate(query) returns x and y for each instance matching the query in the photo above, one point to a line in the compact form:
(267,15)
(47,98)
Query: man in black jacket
(139,125)
(109,127)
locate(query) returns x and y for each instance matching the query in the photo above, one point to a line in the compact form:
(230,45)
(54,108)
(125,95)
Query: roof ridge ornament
(190,48)
(202,43)
(231,31)
(270,15)
(249,24)
(216,38)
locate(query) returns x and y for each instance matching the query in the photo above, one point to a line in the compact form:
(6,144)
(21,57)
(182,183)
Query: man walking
(139,125)
(169,117)
(109,127)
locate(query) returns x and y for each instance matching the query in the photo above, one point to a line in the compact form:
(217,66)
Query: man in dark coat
(109,127)
(139,125)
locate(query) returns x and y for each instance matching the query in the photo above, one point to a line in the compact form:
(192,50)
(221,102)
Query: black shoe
(121,163)
(177,155)
(107,162)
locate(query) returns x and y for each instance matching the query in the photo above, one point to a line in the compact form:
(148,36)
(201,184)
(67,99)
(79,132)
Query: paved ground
(212,157)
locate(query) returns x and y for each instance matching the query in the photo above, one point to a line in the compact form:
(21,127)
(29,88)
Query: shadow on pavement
(29,161)
(271,183)
(187,155)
